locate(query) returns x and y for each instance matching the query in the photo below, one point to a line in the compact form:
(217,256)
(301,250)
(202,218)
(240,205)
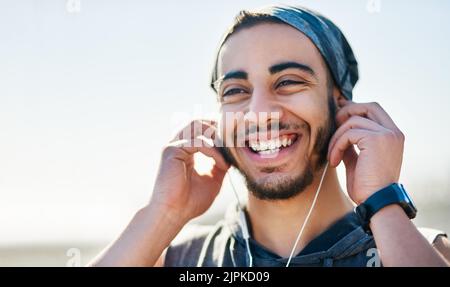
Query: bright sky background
(88,99)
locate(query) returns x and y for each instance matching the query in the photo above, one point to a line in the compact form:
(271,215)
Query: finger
(354,122)
(185,149)
(218,174)
(371,111)
(196,128)
(349,138)
(350,158)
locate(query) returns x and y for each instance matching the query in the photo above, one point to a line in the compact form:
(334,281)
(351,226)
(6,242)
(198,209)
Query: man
(292,70)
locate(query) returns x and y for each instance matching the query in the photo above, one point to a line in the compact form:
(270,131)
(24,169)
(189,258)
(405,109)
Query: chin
(279,185)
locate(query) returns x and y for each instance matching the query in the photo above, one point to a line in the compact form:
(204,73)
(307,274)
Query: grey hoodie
(344,243)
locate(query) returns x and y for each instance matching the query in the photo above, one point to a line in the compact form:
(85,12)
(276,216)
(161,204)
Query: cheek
(310,109)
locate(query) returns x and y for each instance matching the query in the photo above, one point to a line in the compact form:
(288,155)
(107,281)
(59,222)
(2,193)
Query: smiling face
(275,74)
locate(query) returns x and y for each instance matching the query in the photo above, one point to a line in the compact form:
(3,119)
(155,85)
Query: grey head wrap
(325,35)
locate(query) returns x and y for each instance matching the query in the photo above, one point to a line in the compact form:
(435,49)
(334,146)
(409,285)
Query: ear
(337,96)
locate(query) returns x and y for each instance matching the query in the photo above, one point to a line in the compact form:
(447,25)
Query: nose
(263,109)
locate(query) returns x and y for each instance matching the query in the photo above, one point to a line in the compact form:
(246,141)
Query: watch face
(408,206)
(407,197)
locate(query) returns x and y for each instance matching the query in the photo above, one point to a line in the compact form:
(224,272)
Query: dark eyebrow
(235,75)
(239,74)
(288,65)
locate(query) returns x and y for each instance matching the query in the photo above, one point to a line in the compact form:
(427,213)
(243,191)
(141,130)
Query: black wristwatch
(392,194)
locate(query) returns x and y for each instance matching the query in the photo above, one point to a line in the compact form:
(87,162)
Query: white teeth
(269,151)
(270,146)
(263,145)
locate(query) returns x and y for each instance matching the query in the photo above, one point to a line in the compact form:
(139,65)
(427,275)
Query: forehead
(259,47)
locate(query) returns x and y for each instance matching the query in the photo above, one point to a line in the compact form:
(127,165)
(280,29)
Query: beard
(289,187)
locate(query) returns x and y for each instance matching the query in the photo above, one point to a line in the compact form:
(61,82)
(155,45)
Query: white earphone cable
(234,190)
(307,216)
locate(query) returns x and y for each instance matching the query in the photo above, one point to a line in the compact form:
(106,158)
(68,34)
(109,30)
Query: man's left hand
(380,144)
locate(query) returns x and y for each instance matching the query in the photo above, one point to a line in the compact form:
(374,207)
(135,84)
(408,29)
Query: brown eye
(289,82)
(233,91)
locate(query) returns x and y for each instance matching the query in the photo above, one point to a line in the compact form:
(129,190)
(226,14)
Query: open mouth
(271,146)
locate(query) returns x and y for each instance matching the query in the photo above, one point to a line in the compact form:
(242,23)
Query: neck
(275,224)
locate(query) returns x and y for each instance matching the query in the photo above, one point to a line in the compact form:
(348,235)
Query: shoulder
(438,239)
(442,245)
(185,250)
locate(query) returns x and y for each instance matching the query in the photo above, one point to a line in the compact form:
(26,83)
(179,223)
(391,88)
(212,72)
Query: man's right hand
(180,194)
(179,189)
